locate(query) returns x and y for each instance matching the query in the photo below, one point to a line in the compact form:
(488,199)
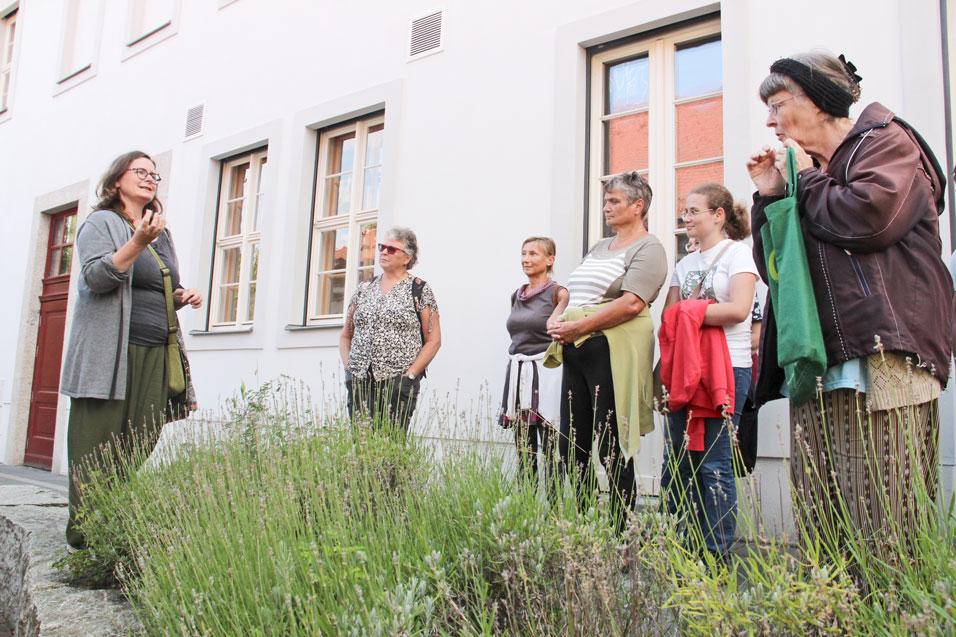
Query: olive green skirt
(108,434)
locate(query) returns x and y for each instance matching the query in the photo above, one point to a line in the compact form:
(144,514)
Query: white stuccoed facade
(485,144)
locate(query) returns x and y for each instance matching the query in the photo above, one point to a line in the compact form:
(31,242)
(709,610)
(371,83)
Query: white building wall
(485,144)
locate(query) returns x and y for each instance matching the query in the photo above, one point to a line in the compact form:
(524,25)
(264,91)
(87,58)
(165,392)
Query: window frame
(68,75)
(246,240)
(660,49)
(352,221)
(140,37)
(9,22)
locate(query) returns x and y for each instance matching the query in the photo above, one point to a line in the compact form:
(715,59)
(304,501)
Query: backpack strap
(934,163)
(418,286)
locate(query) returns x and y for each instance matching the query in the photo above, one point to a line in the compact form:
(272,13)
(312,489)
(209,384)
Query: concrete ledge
(34,600)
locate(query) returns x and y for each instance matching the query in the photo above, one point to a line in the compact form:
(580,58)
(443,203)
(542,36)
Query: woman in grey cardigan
(115,369)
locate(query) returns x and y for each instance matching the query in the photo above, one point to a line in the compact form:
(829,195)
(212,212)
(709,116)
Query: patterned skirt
(858,472)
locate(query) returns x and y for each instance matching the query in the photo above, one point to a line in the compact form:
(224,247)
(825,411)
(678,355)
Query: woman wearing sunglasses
(116,370)
(391,334)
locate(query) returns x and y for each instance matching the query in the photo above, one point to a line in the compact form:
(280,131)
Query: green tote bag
(800,349)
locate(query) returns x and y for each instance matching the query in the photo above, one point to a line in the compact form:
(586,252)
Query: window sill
(222,330)
(74,79)
(150,39)
(317,326)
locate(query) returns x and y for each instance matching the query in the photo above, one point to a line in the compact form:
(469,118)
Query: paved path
(11,475)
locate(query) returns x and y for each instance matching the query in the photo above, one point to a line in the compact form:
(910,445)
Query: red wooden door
(46,368)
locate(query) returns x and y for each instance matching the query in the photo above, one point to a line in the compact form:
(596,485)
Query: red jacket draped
(695,367)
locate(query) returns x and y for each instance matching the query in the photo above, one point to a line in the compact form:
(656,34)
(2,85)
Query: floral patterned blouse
(386,332)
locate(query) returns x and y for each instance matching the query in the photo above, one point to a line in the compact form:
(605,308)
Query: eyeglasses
(774,108)
(142,173)
(690,213)
(389,250)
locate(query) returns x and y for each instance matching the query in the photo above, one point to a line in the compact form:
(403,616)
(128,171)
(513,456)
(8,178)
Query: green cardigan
(632,360)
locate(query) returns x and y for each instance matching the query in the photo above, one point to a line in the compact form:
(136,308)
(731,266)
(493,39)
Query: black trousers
(588,416)
(388,402)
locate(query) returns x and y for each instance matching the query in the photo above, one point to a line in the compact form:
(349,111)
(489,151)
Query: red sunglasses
(389,250)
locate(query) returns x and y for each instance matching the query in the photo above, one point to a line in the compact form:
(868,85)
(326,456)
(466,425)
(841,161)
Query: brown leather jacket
(871,227)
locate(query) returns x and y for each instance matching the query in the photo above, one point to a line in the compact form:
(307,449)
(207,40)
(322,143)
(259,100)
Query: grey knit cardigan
(95,362)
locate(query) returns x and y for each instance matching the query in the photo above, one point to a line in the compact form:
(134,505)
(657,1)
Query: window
(657,108)
(148,17)
(238,224)
(80,35)
(8,36)
(348,185)
(62,234)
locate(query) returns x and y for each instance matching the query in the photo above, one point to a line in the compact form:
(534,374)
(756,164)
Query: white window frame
(353,221)
(247,240)
(661,128)
(72,71)
(8,31)
(140,36)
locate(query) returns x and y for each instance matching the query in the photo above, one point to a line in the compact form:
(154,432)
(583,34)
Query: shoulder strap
(934,163)
(695,294)
(171,321)
(417,287)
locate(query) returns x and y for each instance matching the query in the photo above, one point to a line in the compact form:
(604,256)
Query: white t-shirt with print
(737,259)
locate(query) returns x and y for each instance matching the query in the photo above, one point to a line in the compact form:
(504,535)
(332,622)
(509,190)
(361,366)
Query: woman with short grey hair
(605,341)
(391,334)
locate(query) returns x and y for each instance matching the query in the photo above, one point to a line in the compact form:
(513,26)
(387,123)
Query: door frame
(20,388)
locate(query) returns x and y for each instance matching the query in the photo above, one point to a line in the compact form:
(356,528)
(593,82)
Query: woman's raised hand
(764,172)
(149,226)
(802,158)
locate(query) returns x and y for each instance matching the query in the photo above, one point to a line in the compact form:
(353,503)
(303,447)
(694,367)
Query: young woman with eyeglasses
(391,334)
(695,483)
(115,368)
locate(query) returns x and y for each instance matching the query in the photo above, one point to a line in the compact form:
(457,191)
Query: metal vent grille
(426,35)
(194,121)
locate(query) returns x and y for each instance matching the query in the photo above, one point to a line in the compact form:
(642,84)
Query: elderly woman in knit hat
(870,193)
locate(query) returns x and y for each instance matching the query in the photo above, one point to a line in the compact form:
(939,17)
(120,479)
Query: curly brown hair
(107,190)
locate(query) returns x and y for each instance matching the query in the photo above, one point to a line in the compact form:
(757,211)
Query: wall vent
(427,35)
(194,121)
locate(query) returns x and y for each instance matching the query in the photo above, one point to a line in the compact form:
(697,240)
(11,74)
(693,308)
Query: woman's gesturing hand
(189,296)
(764,172)
(150,226)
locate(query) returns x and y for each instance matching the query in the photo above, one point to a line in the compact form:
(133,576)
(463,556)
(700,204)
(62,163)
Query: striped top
(605,274)
(590,280)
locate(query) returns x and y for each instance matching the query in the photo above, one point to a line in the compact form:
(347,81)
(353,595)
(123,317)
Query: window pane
(66,259)
(367,251)
(69,233)
(681,244)
(338,198)
(374,148)
(232,223)
(628,85)
(330,293)
(373,188)
(259,193)
(699,70)
(231,260)
(228,303)
(700,129)
(55,257)
(626,142)
(229,266)
(341,154)
(254,262)
(237,180)
(690,176)
(334,249)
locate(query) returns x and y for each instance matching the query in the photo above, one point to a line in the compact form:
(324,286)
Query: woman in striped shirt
(608,341)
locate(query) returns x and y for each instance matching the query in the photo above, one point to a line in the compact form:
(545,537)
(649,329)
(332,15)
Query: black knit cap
(829,96)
